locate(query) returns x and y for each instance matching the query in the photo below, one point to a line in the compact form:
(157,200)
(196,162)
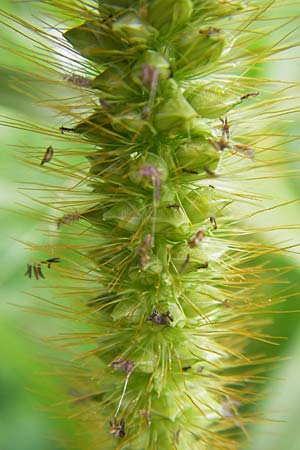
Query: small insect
(144,249)
(245,149)
(185,263)
(146,414)
(67,219)
(186,368)
(175,206)
(213,222)
(249,94)
(36,269)
(63,129)
(219,145)
(117,428)
(225,128)
(48,155)
(223,143)
(123,364)
(160,319)
(197,239)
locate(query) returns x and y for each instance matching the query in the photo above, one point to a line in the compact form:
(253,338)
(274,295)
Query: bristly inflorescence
(164,283)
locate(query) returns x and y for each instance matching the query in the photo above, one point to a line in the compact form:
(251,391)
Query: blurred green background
(24,420)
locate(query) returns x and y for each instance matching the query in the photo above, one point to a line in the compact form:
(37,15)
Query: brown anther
(210,31)
(210,172)
(245,149)
(174,205)
(146,414)
(105,105)
(176,437)
(219,145)
(193,172)
(28,272)
(67,219)
(203,265)
(48,155)
(107,19)
(213,222)
(185,263)
(144,249)
(226,303)
(197,239)
(225,128)
(249,94)
(78,80)
(38,271)
(117,428)
(160,319)
(63,129)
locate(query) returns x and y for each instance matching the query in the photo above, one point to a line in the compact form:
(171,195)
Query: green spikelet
(150,247)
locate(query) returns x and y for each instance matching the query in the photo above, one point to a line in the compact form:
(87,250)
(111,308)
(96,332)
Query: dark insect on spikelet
(160,319)
(123,364)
